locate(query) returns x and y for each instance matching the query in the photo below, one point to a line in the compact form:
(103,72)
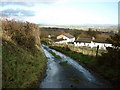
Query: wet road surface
(71,75)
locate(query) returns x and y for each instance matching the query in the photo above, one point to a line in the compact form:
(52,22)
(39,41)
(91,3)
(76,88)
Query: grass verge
(64,63)
(21,69)
(74,79)
(56,56)
(75,55)
(91,62)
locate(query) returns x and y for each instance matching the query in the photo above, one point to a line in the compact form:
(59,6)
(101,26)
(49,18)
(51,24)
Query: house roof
(57,40)
(88,40)
(68,35)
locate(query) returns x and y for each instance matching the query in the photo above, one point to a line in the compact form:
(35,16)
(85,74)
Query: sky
(62,12)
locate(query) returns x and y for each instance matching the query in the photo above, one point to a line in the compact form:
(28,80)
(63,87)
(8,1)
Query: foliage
(56,56)
(24,34)
(92,33)
(20,68)
(64,63)
(47,39)
(77,56)
(76,33)
(114,40)
(74,79)
(111,59)
(23,61)
(79,34)
(44,42)
(107,65)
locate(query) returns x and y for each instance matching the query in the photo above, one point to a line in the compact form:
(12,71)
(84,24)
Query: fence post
(97,51)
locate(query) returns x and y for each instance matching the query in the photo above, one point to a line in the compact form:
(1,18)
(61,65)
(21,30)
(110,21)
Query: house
(93,44)
(65,38)
(49,36)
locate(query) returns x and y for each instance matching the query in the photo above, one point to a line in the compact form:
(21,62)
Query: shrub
(24,34)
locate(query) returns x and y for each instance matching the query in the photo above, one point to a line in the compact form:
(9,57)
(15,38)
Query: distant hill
(99,27)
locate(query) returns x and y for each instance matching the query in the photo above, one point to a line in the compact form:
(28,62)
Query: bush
(24,34)
(23,62)
(110,62)
(110,59)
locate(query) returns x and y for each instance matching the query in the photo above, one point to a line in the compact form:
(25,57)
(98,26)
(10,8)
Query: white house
(65,38)
(93,45)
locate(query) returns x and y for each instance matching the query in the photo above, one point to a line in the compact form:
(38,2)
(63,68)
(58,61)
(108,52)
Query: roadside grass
(91,62)
(75,55)
(56,56)
(64,63)
(81,49)
(23,61)
(74,79)
(21,69)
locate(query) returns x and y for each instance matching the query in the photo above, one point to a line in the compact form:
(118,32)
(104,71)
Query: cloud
(16,12)
(52,1)
(59,11)
(16,3)
(27,1)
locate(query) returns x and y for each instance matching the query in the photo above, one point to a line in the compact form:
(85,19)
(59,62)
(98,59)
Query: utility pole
(119,17)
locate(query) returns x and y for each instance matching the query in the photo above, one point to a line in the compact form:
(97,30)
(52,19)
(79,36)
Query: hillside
(23,62)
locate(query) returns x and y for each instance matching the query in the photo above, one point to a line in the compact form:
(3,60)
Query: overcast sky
(63,12)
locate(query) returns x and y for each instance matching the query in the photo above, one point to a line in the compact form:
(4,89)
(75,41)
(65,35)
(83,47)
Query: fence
(81,49)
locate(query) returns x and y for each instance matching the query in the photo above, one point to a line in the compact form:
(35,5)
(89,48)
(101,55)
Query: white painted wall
(93,44)
(66,39)
(69,39)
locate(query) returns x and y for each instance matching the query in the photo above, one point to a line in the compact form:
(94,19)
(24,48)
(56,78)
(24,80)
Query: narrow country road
(72,75)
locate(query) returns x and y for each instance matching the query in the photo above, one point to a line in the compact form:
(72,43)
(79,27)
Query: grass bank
(21,69)
(23,61)
(91,62)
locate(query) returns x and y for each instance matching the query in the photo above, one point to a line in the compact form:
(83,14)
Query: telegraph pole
(119,17)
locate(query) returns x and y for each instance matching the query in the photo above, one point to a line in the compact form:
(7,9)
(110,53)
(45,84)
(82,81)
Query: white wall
(66,39)
(93,44)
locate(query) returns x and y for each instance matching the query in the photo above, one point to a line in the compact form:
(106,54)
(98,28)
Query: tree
(115,40)
(76,33)
(62,32)
(112,57)
(92,33)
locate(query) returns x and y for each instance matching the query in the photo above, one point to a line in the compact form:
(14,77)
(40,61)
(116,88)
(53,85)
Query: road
(70,75)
